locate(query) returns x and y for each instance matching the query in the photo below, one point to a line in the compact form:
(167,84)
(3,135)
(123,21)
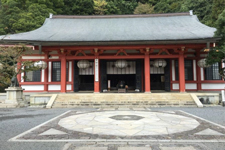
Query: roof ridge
(118,16)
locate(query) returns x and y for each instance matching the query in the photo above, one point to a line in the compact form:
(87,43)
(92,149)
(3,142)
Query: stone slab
(197,101)
(123,108)
(134,148)
(138,108)
(53,132)
(178,148)
(51,101)
(208,132)
(91,148)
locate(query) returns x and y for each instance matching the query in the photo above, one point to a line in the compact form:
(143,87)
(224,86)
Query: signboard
(96,69)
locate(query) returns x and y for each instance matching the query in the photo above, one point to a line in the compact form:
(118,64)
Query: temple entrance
(86,83)
(129,80)
(112,75)
(83,77)
(157,82)
(160,77)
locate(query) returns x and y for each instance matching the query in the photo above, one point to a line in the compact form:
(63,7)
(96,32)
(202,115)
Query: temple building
(140,53)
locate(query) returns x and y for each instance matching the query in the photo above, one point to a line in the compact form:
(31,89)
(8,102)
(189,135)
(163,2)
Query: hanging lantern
(121,64)
(1,66)
(41,64)
(83,64)
(159,63)
(202,63)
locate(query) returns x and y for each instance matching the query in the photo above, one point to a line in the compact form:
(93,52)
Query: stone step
(124,100)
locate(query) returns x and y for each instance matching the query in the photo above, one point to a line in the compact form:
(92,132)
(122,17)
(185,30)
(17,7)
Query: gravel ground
(16,121)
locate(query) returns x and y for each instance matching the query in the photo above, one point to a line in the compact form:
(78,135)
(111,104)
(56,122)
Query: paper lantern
(202,63)
(83,64)
(159,63)
(41,64)
(121,64)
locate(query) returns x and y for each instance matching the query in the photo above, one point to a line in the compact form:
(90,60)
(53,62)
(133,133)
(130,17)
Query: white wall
(68,87)
(54,87)
(33,87)
(188,86)
(213,86)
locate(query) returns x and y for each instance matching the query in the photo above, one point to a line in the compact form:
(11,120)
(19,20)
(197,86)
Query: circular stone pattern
(135,123)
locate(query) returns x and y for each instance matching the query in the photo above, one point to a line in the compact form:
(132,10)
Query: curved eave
(77,43)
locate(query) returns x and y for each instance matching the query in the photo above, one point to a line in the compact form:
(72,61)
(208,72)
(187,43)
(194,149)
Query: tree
(168,6)
(144,9)
(100,7)
(218,54)
(9,58)
(217,8)
(55,5)
(15,20)
(201,8)
(32,19)
(78,7)
(9,15)
(121,6)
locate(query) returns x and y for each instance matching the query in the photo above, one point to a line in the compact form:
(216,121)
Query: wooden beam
(117,47)
(123,57)
(164,56)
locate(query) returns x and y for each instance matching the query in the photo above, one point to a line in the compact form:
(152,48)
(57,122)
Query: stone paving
(131,146)
(122,129)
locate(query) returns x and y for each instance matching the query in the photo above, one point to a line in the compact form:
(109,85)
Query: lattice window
(33,76)
(212,72)
(56,71)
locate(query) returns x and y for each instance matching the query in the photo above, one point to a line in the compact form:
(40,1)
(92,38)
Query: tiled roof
(113,28)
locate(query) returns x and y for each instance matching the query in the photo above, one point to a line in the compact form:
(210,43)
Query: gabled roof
(116,28)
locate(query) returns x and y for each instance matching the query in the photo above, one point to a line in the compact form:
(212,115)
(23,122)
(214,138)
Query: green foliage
(32,19)
(100,7)
(220,25)
(21,16)
(168,6)
(9,58)
(78,7)
(144,9)
(201,8)
(121,6)
(218,54)
(217,8)
(55,5)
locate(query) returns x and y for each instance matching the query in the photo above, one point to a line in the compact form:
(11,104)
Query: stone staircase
(128,100)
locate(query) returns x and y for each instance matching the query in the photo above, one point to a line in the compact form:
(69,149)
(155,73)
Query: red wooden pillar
(96,75)
(63,74)
(46,75)
(18,75)
(181,72)
(147,73)
(198,71)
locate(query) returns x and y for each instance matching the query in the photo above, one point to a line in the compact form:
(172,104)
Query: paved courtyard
(113,129)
